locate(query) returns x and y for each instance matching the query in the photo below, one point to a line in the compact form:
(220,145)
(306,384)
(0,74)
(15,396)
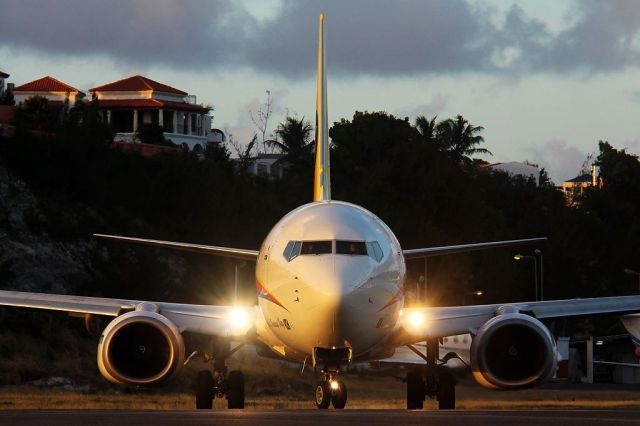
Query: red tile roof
(149,103)
(46,84)
(137,83)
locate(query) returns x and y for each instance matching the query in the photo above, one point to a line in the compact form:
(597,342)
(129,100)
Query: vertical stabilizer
(322,179)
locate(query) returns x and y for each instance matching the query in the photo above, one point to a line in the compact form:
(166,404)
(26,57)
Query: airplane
(329,279)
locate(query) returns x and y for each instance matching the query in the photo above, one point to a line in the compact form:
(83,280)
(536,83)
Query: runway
(317,417)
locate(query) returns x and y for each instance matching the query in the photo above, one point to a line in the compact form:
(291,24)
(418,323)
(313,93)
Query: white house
(55,91)
(129,103)
(515,168)
(3,77)
(268,165)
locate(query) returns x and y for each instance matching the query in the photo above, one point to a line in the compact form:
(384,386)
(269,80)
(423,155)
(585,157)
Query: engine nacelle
(513,351)
(140,348)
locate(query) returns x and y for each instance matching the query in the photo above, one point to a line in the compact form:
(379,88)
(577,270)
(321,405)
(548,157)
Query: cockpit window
(288,249)
(358,248)
(375,251)
(316,247)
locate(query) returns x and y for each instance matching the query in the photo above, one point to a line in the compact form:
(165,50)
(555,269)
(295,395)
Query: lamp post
(535,268)
(470,293)
(539,253)
(631,272)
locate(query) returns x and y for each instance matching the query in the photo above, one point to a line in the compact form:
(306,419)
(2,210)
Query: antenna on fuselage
(322,177)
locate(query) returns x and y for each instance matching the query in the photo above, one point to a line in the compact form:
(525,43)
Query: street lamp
(535,268)
(470,293)
(539,253)
(631,272)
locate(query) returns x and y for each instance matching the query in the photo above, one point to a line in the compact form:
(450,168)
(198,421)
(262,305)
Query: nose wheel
(330,391)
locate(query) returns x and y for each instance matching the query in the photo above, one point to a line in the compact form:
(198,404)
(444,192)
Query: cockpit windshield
(358,248)
(316,247)
(352,248)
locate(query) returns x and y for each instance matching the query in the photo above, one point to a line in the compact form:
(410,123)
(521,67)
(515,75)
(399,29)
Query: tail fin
(322,180)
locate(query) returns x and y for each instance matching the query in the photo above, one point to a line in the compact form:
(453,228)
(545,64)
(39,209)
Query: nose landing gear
(330,391)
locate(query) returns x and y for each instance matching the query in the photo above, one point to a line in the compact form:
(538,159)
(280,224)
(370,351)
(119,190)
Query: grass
(364,393)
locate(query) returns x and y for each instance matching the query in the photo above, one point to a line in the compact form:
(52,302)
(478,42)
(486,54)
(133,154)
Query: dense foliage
(418,178)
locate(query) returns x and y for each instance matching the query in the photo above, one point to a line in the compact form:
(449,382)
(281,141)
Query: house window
(122,121)
(194,124)
(167,121)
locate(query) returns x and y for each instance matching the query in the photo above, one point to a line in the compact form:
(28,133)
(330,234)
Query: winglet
(322,177)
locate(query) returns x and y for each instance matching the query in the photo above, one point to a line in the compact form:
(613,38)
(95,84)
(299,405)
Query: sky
(547,79)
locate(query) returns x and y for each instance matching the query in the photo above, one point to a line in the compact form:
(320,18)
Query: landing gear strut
(219,383)
(433,381)
(330,390)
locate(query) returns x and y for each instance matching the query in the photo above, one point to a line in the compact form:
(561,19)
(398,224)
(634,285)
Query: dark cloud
(374,37)
(168,32)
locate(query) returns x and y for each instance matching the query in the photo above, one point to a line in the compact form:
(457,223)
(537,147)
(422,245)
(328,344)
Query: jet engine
(140,348)
(512,351)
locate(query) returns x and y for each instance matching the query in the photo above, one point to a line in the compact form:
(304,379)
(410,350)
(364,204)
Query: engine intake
(513,351)
(140,348)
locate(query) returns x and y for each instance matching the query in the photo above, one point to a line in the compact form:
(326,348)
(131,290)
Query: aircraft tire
(339,396)
(415,391)
(323,395)
(204,390)
(235,390)
(446,392)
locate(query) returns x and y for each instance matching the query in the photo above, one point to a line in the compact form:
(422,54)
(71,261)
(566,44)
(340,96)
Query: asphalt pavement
(320,417)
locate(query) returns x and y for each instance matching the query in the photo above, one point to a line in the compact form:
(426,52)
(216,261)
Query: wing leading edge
(214,320)
(439,251)
(449,321)
(195,248)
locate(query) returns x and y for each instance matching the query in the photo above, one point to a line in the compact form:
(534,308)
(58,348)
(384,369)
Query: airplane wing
(196,248)
(439,251)
(416,323)
(212,320)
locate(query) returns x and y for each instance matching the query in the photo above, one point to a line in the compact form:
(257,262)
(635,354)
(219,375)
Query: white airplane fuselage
(349,296)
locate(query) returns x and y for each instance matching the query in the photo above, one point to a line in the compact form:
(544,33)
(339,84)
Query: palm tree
(427,130)
(461,138)
(293,138)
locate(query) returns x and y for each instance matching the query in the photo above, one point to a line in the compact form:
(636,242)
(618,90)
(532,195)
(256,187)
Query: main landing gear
(329,391)
(219,383)
(433,381)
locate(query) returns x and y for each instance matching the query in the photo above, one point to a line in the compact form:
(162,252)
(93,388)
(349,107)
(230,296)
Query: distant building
(55,91)
(515,168)
(3,77)
(573,187)
(130,103)
(268,165)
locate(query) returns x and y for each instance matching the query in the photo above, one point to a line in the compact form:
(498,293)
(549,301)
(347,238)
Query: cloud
(370,37)
(429,109)
(561,160)
(167,32)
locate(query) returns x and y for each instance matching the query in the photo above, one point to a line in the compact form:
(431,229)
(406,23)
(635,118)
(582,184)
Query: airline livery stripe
(393,300)
(265,294)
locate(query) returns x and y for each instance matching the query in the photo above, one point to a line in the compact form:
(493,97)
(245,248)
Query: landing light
(239,318)
(416,319)
(334,385)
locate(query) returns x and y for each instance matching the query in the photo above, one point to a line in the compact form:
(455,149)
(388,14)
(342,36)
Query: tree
(460,138)
(293,139)
(260,118)
(7,98)
(153,134)
(427,130)
(34,115)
